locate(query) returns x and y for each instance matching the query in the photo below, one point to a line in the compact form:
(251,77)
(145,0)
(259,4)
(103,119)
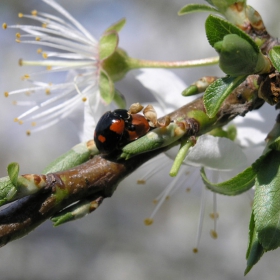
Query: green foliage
(108,44)
(218,91)
(74,157)
(217,28)
(266,202)
(118,26)
(13,171)
(193,8)
(106,87)
(255,249)
(275,57)
(264,228)
(236,185)
(237,56)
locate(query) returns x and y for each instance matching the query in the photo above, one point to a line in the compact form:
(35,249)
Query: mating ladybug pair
(117,128)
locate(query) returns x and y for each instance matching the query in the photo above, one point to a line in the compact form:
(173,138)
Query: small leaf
(255,249)
(275,57)
(193,8)
(77,155)
(108,44)
(106,87)
(266,202)
(236,185)
(117,26)
(218,91)
(237,56)
(217,28)
(13,171)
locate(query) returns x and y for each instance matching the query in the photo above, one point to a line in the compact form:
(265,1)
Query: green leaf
(77,155)
(7,190)
(217,28)
(218,91)
(255,249)
(275,145)
(13,171)
(275,57)
(106,87)
(266,202)
(237,56)
(236,185)
(108,44)
(193,8)
(117,26)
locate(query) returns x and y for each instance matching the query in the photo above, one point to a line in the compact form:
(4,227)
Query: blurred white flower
(74,52)
(221,156)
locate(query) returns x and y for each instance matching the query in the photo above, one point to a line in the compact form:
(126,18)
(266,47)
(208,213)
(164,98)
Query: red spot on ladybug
(101,138)
(117,126)
(116,129)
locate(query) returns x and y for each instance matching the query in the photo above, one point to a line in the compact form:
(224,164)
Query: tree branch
(99,177)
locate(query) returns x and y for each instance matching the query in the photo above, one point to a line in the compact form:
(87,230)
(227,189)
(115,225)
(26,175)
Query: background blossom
(113,242)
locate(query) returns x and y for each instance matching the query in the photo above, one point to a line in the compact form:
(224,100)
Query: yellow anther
(48,91)
(141,182)
(4,25)
(214,234)
(195,250)
(214,216)
(34,13)
(84,99)
(44,55)
(28,132)
(39,51)
(148,221)
(49,67)
(20,15)
(25,77)
(33,124)
(44,25)
(37,38)
(20,62)
(17,40)
(16,119)
(6,94)
(18,35)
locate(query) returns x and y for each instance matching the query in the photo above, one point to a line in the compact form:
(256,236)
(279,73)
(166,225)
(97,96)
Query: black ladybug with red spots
(117,128)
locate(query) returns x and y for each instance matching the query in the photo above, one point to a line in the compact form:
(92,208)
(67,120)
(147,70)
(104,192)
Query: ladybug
(117,128)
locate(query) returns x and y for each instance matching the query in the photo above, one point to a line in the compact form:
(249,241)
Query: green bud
(238,57)
(13,171)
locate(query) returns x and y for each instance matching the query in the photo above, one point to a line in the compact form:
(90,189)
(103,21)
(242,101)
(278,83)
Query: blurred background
(113,242)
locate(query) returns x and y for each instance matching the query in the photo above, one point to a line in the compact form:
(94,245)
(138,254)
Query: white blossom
(66,47)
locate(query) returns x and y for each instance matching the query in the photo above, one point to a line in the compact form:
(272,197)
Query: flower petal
(165,86)
(216,153)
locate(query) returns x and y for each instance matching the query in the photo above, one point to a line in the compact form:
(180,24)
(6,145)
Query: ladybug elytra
(117,128)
